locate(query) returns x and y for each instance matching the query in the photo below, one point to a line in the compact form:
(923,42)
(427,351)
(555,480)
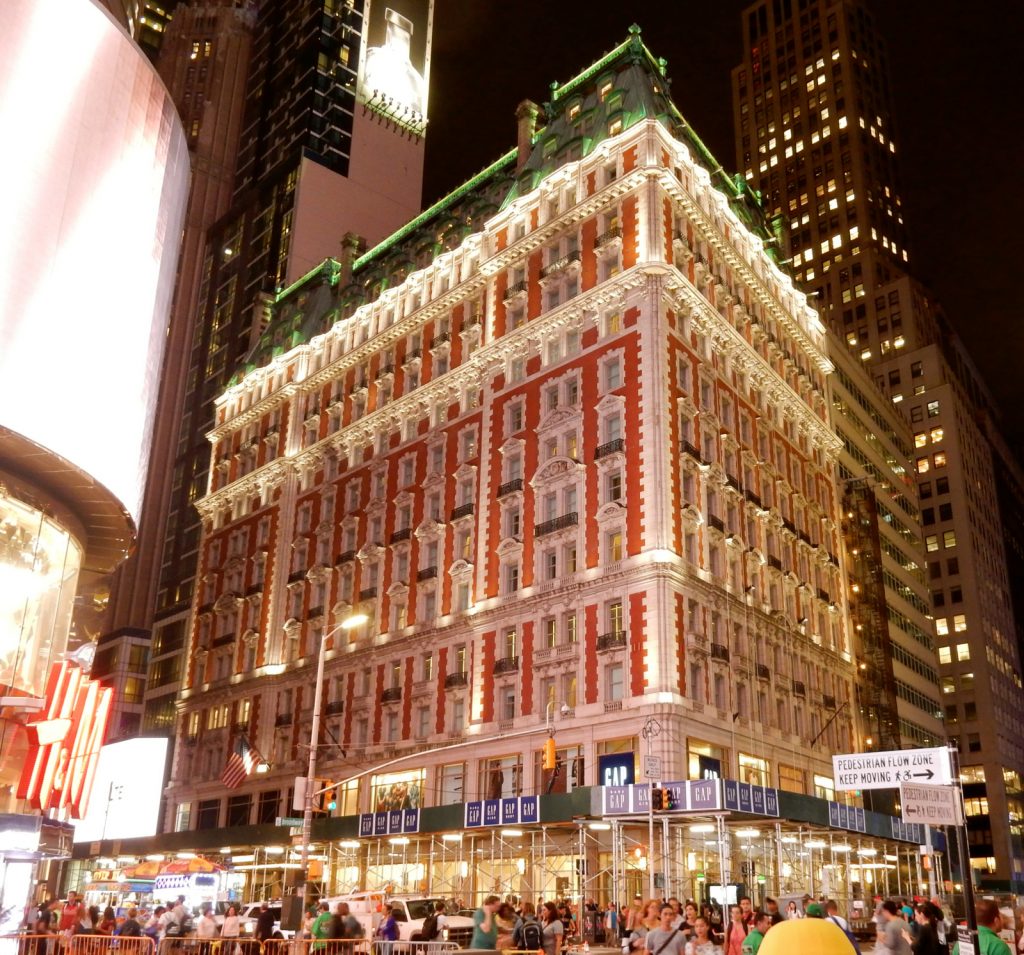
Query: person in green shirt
(321,927)
(485,928)
(990,924)
(762,922)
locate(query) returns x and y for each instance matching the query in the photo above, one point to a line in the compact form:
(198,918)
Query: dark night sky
(959,126)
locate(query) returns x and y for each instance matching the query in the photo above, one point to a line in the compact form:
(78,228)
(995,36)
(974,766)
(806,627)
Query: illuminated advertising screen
(125,800)
(395,68)
(90,223)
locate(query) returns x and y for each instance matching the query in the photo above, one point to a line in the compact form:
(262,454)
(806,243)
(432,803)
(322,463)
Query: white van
(410,912)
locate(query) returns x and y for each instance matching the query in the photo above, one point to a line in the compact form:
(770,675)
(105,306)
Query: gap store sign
(513,811)
(692,795)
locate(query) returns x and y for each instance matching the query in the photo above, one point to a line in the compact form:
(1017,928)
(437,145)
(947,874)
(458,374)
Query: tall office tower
(898,685)
(205,66)
(565,439)
(815,134)
(311,141)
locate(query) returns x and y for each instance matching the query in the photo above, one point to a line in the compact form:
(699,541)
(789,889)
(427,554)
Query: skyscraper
(816,135)
(293,148)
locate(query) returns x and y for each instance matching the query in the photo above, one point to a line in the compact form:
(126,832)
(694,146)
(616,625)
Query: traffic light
(327,797)
(668,800)
(657,799)
(550,760)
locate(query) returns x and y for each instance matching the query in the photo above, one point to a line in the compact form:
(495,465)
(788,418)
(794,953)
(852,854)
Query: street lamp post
(354,619)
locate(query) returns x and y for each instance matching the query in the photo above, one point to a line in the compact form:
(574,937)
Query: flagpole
(354,619)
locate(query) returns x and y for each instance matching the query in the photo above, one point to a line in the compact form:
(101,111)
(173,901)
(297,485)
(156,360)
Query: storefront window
(791,779)
(755,770)
(824,788)
(39,562)
(398,790)
(451,784)
(501,777)
(704,760)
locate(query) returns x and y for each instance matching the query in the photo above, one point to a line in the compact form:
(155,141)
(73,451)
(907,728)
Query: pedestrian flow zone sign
(887,770)
(931,805)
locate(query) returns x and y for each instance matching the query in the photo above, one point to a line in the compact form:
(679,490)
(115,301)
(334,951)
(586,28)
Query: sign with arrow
(887,770)
(931,805)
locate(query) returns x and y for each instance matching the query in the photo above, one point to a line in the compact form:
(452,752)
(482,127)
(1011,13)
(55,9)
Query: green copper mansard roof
(626,86)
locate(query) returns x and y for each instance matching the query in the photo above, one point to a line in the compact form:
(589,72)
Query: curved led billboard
(95,179)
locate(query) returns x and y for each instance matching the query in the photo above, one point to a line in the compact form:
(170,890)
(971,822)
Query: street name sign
(652,767)
(931,805)
(886,770)
(288,821)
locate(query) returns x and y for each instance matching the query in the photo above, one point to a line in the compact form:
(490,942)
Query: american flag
(240,764)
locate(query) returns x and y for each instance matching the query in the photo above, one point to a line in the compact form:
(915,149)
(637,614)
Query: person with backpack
(343,924)
(529,934)
(130,927)
(434,924)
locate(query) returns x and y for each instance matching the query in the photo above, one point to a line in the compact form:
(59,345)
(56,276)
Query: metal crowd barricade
(31,944)
(184,945)
(242,945)
(110,945)
(411,947)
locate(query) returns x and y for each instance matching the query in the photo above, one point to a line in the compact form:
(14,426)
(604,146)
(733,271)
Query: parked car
(409,911)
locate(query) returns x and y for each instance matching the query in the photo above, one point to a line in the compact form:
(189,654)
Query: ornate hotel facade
(565,438)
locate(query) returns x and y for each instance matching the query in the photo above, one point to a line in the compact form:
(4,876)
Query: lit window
(920,440)
(933,409)
(936,435)
(944,655)
(922,465)
(939,459)
(942,627)
(963,652)
(931,543)
(949,539)
(959,623)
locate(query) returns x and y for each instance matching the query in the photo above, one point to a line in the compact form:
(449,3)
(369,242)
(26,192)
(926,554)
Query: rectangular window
(612,374)
(613,546)
(614,683)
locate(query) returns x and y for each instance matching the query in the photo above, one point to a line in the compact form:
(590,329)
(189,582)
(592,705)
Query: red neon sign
(65,741)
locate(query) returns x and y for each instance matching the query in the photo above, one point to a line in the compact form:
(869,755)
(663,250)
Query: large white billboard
(95,174)
(125,801)
(395,69)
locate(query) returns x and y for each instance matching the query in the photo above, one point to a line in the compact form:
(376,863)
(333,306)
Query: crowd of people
(654,927)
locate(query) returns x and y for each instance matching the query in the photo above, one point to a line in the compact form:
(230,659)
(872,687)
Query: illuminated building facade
(815,134)
(566,439)
(103,211)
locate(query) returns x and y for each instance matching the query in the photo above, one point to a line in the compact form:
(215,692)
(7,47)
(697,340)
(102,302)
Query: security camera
(565,709)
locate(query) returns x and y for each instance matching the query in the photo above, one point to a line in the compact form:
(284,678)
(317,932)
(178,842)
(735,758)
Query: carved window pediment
(369,552)
(686,405)
(560,417)
(428,529)
(555,468)
(398,589)
(510,546)
(460,568)
(612,511)
(227,603)
(465,471)
(512,446)
(691,515)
